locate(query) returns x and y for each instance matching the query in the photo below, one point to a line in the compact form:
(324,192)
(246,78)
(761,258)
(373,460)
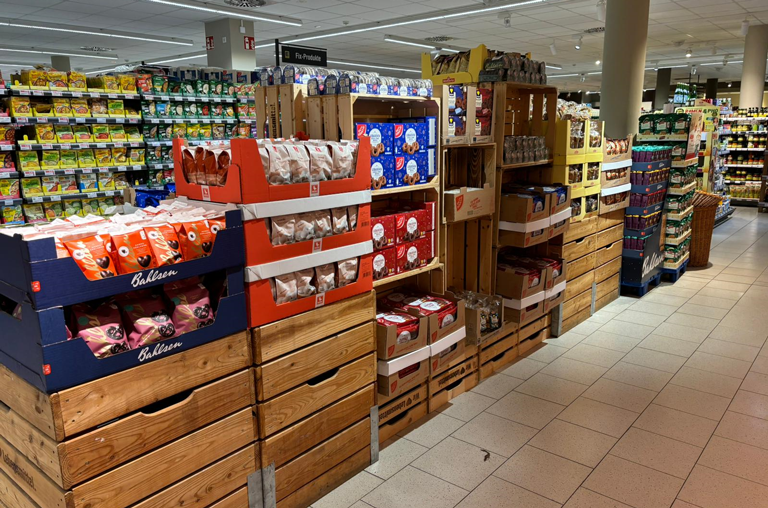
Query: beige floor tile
(620,395)
(584,498)
(739,279)
(749,403)
(760,365)
(502,494)
(657,452)
(634,331)
(708,382)
(708,488)
(396,455)
(497,386)
(431,430)
(524,368)
(603,316)
(693,402)
(745,317)
(749,338)
(668,345)
(712,301)
(675,301)
(738,459)
(683,504)
(412,488)
(495,434)
(729,350)
(690,283)
(573,442)
(594,355)
(474,467)
(620,304)
(636,375)
(546,353)
(466,406)
(718,283)
(359,504)
(744,429)
(604,418)
(729,295)
(655,360)
(658,309)
(676,290)
(586,328)
(642,317)
(573,370)
(742,271)
(553,389)
(701,310)
(633,484)
(612,341)
(701,275)
(755,382)
(543,473)
(680,332)
(350,492)
(702,323)
(567,340)
(718,364)
(530,411)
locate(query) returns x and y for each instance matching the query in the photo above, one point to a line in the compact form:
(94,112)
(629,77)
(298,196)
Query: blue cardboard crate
(34,273)
(35,345)
(410,134)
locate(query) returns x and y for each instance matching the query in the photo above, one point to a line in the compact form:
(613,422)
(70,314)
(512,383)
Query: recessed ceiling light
(689,53)
(178,59)
(578,44)
(54,27)
(41,51)
(234,13)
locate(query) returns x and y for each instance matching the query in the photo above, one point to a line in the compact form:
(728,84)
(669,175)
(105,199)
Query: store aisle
(653,402)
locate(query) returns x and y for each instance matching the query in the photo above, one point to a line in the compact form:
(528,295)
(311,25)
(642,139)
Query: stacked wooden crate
(178,431)
(315,386)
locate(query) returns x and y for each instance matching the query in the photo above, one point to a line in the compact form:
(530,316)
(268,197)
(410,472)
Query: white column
(228,45)
(753,68)
(60,63)
(626,35)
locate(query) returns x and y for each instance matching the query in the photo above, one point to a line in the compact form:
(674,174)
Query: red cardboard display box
(384,263)
(383,232)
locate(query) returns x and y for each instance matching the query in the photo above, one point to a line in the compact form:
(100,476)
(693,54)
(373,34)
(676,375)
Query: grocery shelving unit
(744,182)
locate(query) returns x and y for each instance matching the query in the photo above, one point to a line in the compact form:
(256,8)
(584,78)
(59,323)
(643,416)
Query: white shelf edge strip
(616,190)
(527,227)
(525,302)
(301,205)
(555,290)
(607,166)
(389,367)
(448,341)
(267,270)
(560,216)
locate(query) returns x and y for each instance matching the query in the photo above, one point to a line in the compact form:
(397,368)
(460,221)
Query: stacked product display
(745,133)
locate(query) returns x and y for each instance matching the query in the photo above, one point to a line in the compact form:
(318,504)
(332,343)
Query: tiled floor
(653,403)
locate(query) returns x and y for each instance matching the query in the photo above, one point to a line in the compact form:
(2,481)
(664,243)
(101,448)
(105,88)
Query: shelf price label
(92,195)
(112,96)
(101,145)
(49,172)
(87,170)
(69,171)
(28,174)
(23,92)
(63,120)
(37,200)
(47,146)
(55,198)
(101,120)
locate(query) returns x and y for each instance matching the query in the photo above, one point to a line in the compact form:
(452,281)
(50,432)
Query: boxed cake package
(399,333)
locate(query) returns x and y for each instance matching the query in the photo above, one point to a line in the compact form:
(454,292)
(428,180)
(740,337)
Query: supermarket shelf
(652,166)
(685,163)
(435,263)
(76,95)
(743,119)
(80,171)
(644,210)
(724,216)
(194,142)
(525,164)
(744,201)
(677,241)
(71,146)
(7,148)
(682,190)
(473,145)
(79,195)
(756,166)
(384,98)
(190,120)
(670,137)
(641,233)
(649,189)
(746,150)
(32,120)
(434,184)
(247,120)
(674,266)
(5,119)
(607,166)
(740,182)
(4,175)
(679,216)
(11,202)
(164,165)
(186,98)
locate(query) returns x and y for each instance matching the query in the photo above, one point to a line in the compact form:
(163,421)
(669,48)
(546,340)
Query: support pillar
(663,86)
(753,67)
(626,36)
(228,44)
(61,63)
(711,90)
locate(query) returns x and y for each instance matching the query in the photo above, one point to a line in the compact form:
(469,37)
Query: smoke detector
(246,3)
(439,38)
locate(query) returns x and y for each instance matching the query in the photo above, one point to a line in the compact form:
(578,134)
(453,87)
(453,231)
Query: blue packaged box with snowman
(383,172)
(382,137)
(411,169)
(410,138)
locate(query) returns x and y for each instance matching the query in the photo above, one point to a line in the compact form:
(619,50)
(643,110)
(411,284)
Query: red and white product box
(383,231)
(412,255)
(384,263)
(409,226)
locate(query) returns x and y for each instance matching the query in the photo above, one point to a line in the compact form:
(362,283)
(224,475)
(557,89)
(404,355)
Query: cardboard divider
(247,182)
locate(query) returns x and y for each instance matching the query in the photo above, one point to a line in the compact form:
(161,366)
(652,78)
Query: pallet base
(642,289)
(675,273)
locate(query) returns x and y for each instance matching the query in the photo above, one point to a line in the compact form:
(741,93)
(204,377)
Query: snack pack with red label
(427,305)
(407,325)
(533,273)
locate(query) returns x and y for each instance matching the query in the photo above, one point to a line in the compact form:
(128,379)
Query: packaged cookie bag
(284,288)
(279,165)
(191,305)
(195,238)
(133,249)
(283,230)
(147,318)
(299,162)
(304,227)
(325,278)
(92,254)
(101,328)
(304,286)
(321,164)
(347,272)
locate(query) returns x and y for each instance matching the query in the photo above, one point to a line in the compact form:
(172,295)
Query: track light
(54,27)
(730,84)
(689,53)
(744,27)
(601,10)
(582,78)
(578,44)
(553,48)
(693,69)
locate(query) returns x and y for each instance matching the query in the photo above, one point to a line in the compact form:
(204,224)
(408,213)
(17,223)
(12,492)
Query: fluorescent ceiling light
(41,51)
(419,44)
(20,66)
(389,39)
(234,13)
(100,71)
(449,50)
(553,66)
(100,32)
(178,59)
(563,75)
(410,20)
(371,66)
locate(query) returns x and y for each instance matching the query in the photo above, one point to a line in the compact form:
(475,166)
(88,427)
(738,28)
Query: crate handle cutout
(4,408)
(167,403)
(9,306)
(455,384)
(325,376)
(399,417)
(498,356)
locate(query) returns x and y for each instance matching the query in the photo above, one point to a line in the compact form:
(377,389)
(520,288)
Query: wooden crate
(452,383)
(323,117)
(396,415)
(533,334)
(500,352)
(609,252)
(580,266)
(381,108)
(607,270)
(578,303)
(609,236)
(285,336)
(576,319)
(580,284)
(577,230)
(574,250)
(189,410)
(610,220)
(605,300)
(285,110)
(607,286)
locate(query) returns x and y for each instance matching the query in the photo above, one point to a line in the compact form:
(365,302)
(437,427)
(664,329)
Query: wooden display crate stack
(178,431)
(315,380)
(281,110)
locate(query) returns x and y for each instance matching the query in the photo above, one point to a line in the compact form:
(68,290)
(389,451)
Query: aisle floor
(651,403)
